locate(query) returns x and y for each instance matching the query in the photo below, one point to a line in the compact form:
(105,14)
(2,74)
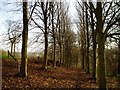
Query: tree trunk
(46,48)
(94,48)
(101,46)
(14,45)
(119,57)
(45,13)
(46,41)
(60,55)
(94,59)
(11,47)
(82,61)
(87,47)
(54,64)
(53,30)
(23,66)
(84,42)
(101,61)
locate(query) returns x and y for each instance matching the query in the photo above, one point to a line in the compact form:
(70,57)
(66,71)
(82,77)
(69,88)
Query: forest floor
(59,77)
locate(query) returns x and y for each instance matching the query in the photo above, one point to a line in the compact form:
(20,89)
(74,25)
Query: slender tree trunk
(23,66)
(94,48)
(84,41)
(54,64)
(101,46)
(59,38)
(85,51)
(87,47)
(53,29)
(119,57)
(11,47)
(118,80)
(82,61)
(60,55)
(46,48)
(94,59)
(45,13)
(63,54)
(60,44)
(14,45)
(60,47)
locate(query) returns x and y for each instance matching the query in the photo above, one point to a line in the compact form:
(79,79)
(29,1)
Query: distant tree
(54,26)
(42,13)
(87,39)
(14,34)
(62,27)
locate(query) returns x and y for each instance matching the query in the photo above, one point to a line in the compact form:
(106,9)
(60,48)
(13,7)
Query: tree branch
(32,11)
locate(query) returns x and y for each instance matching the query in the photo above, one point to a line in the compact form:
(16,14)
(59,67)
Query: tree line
(97,22)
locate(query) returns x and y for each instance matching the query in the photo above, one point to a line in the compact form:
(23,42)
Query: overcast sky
(6,13)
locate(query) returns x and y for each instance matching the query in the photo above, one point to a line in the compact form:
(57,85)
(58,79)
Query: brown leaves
(59,77)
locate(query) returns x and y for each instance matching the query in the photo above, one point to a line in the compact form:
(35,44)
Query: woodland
(80,52)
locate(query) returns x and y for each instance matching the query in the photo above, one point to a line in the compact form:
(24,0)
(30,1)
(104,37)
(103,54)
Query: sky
(7,13)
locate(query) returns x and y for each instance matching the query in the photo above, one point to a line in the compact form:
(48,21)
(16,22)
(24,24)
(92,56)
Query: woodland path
(59,77)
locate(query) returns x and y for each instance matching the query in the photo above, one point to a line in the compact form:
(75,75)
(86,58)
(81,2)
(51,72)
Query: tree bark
(94,47)
(87,38)
(119,57)
(11,47)
(46,46)
(83,43)
(14,45)
(45,15)
(82,61)
(53,30)
(23,66)
(101,46)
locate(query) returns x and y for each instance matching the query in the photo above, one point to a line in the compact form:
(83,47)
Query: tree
(94,46)
(105,21)
(102,34)
(43,13)
(81,32)
(119,56)
(62,27)
(14,34)
(53,30)
(54,26)
(24,59)
(87,39)
(101,44)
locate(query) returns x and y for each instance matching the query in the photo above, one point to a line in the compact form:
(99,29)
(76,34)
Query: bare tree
(42,12)
(14,34)
(23,66)
(87,39)
(94,44)
(102,34)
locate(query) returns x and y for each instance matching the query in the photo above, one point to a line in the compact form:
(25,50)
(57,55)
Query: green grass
(4,55)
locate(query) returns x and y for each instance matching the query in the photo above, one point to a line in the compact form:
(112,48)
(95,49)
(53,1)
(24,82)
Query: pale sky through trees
(7,12)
